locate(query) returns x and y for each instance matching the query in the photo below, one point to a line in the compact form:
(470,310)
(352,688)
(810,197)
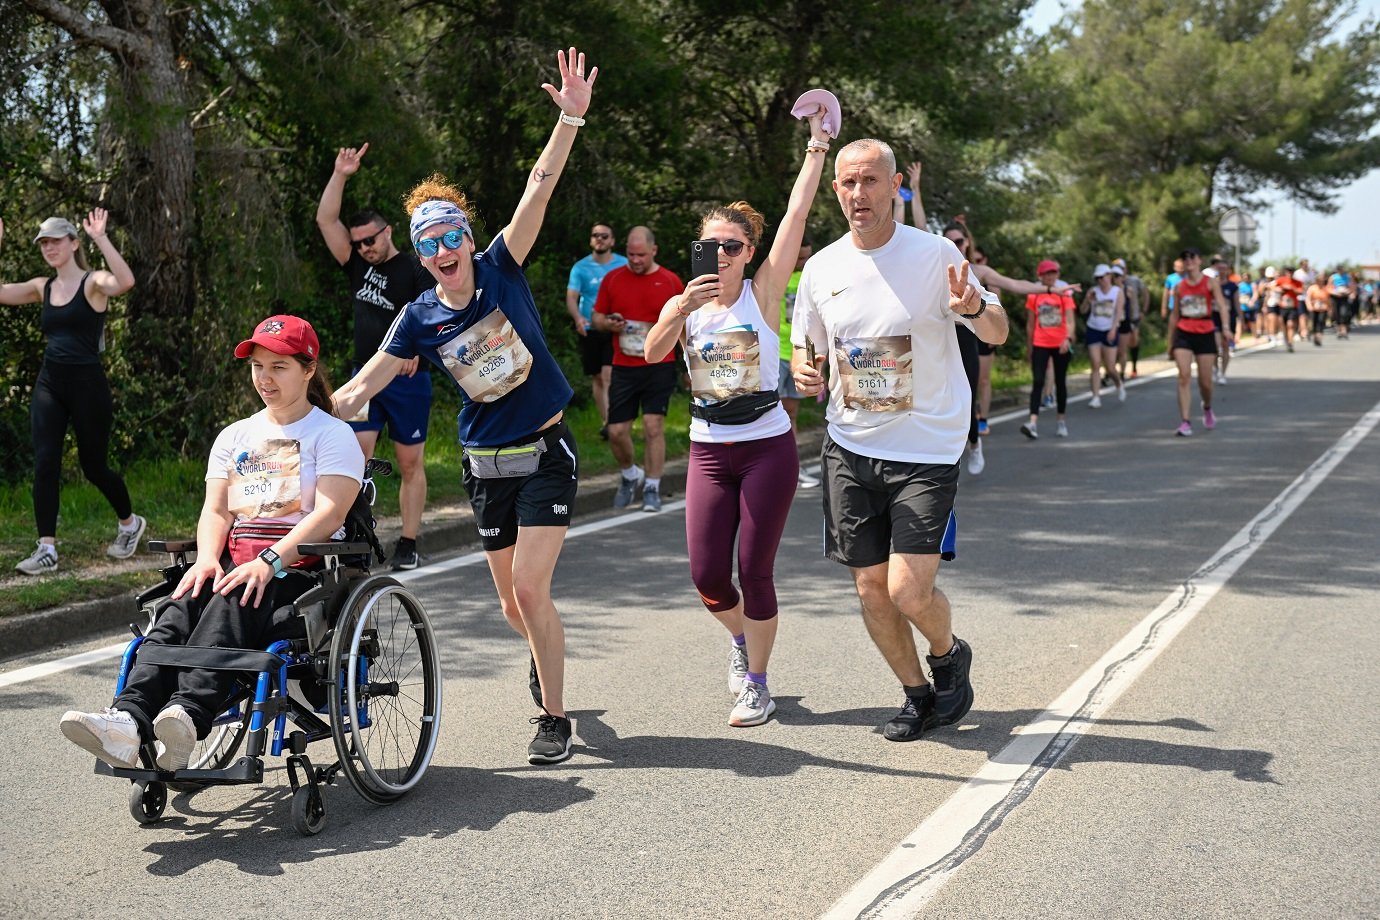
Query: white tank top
(1103,311)
(733,353)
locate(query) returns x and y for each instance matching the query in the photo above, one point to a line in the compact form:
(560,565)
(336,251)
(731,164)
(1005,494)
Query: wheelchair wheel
(147,801)
(308,810)
(386,710)
(217,750)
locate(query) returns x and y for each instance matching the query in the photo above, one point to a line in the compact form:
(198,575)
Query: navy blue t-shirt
(493,350)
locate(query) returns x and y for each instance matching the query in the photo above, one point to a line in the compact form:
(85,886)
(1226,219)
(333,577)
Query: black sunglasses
(602,236)
(731,248)
(368,240)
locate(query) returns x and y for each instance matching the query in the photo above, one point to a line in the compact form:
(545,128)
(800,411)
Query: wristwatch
(273,559)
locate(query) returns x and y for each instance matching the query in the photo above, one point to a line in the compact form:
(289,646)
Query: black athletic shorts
(1200,343)
(596,351)
(542,499)
(650,387)
(986,349)
(873,508)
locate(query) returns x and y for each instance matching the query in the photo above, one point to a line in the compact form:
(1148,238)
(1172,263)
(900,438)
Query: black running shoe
(404,556)
(915,718)
(534,682)
(552,743)
(949,677)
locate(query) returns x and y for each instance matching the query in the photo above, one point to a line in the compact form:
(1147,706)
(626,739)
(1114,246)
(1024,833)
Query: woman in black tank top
(71,386)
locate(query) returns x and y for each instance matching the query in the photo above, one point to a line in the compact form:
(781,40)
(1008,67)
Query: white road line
(904,882)
(37,671)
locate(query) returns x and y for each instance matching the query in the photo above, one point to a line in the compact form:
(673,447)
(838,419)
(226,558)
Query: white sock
(652,483)
(132,526)
(632,472)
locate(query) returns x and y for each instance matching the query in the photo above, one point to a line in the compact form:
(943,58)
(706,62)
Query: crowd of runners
(894,326)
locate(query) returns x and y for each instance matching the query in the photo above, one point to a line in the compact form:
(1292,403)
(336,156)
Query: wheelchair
(367,676)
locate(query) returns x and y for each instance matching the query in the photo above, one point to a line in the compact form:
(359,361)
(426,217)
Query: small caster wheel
(308,810)
(147,801)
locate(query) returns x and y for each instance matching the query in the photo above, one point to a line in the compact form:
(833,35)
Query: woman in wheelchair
(285,476)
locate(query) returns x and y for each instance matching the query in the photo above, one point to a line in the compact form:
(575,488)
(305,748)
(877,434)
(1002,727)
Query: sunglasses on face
(451,239)
(731,248)
(367,240)
(601,236)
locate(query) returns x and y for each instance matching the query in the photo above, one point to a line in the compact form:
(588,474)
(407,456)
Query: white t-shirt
(1102,311)
(272,469)
(733,353)
(897,390)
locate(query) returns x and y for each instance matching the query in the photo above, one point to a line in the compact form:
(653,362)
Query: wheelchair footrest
(208,657)
(245,770)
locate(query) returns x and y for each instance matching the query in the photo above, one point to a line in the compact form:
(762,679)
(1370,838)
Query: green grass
(169,494)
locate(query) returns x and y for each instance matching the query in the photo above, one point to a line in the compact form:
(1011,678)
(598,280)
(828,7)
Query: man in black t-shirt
(382,282)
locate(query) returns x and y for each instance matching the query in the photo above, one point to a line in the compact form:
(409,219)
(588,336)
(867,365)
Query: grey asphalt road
(1236,777)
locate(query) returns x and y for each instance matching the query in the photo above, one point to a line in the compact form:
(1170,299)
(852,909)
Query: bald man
(629,302)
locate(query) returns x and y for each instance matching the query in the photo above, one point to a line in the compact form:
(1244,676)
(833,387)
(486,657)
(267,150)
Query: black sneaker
(949,677)
(404,556)
(552,743)
(534,682)
(915,718)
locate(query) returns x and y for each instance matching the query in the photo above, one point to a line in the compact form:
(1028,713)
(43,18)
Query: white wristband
(574,120)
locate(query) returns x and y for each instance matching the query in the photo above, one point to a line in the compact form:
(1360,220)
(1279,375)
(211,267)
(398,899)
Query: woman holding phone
(743,460)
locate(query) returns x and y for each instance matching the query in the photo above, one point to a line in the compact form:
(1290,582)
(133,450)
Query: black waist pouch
(737,411)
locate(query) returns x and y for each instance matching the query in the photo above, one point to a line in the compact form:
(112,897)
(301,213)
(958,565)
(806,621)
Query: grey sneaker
(552,743)
(176,737)
(755,706)
(737,669)
(43,561)
(1061,430)
(127,541)
(627,488)
(651,498)
(109,734)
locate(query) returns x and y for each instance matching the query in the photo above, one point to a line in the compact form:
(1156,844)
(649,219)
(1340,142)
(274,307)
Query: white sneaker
(737,669)
(127,541)
(1222,379)
(1095,402)
(1121,391)
(1061,430)
(109,734)
(805,481)
(755,706)
(42,562)
(176,737)
(976,462)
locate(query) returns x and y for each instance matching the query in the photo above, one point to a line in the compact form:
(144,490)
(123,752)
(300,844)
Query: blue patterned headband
(430,213)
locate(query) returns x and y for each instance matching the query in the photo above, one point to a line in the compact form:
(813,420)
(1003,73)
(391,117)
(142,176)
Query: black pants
(1317,321)
(1039,360)
(76,393)
(968,348)
(211,620)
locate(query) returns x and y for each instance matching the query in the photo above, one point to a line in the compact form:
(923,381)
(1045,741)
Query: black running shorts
(542,499)
(873,508)
(1200,343)
(650,387)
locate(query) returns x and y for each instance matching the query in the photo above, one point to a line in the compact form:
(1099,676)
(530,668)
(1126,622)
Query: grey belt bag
(506,462)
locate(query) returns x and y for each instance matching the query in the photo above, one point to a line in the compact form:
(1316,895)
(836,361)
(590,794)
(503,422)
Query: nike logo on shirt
(840,290)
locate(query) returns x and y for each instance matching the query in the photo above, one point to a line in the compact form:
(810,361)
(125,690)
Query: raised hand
(347,160)
(576,89)
(963,297)
(2,231)
(913,173)
(94,225)
(817,132)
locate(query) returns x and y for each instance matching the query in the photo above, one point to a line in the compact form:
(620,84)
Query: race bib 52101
(725,364)
(488,360)
(875,373)
(265,481)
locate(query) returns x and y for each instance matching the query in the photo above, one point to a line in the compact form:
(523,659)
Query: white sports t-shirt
(897,390)
(273,469)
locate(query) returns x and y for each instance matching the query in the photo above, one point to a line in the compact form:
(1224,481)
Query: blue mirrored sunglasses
(451,239)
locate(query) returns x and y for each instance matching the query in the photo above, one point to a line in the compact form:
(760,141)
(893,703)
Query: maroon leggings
(742,489)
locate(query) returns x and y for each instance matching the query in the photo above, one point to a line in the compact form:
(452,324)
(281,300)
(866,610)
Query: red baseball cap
(1048,265)
(282,335)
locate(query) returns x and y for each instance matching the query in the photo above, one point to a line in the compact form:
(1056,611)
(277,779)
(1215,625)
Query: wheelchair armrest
(333,549)
(172,546)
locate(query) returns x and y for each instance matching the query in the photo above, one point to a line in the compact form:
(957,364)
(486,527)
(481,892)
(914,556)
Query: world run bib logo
(870,359)
(246,464)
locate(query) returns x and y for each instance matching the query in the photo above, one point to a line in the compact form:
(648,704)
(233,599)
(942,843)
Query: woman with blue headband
(481,325)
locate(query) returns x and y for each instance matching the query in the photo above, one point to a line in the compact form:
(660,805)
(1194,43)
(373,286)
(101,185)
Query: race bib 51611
(875,373)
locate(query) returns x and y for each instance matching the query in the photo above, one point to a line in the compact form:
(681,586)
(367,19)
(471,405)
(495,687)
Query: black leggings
(1318,321)
(1039,360)
(80,394)
(968,348)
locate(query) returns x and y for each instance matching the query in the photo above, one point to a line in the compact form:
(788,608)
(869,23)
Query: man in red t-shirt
(629,303)
(1049,330)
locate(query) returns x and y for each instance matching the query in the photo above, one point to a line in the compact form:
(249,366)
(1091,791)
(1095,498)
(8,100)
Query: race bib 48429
(725,364)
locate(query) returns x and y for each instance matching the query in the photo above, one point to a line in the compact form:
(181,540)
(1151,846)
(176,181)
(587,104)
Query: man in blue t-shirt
(1171,282)
(1340,289)
(596,348)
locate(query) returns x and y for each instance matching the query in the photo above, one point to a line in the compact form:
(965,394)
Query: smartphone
(810,352)
(704,258)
